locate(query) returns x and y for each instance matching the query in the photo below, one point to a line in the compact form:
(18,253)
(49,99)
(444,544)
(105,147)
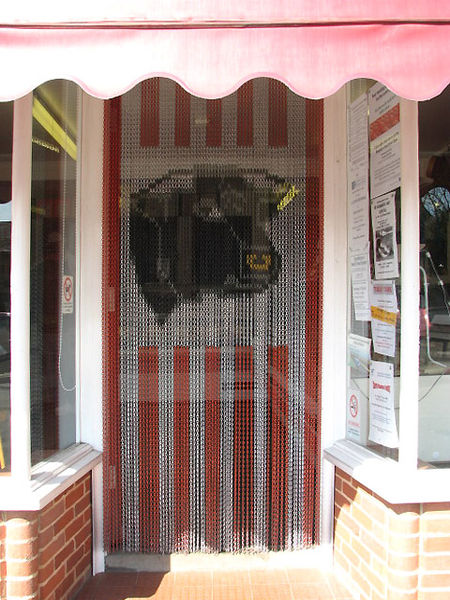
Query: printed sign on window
(67,295)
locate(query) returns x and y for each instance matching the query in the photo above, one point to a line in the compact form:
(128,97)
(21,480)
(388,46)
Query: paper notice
(360,269)
(358,139)
(358,216)
(384,310)
(382,428)
(359,353)
(384,236)
(382,102)
(385,172)
(384,133)
(358,174)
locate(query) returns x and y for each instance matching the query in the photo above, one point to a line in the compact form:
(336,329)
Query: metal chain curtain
(212,301)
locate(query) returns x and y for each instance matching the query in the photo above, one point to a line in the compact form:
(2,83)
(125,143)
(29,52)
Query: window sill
(387,478)
(49,479)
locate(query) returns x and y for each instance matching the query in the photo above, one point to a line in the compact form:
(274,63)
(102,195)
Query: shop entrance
(212,319)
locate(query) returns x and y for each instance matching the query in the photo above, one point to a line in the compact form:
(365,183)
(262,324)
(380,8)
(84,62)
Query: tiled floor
(273,584)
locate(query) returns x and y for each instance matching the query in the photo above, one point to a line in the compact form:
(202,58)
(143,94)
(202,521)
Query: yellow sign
(287,198)
(2,457)
(383,315)
(259,265)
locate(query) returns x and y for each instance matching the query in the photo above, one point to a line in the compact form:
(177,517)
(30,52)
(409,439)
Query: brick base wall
(48,553)
(2,558)
(390,552)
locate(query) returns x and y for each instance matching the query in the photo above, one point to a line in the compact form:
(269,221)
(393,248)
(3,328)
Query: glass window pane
(434,382)
(53,268)
(6,128)
(374,287)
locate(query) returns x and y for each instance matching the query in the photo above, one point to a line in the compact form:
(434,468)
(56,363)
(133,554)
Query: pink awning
(22,12)
(314,60)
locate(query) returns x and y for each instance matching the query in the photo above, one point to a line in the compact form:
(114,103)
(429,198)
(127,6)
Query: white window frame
(26,487)
(396,481)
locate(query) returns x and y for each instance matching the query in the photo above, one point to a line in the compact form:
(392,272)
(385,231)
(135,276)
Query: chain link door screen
(212,236)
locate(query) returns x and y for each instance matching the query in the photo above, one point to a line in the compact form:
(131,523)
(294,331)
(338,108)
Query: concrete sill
(49,479)
(387,478)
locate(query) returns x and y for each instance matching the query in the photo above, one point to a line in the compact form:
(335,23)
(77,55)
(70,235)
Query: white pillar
(409,344)
(90,305)
(20,290)
(334,324)
(90,323)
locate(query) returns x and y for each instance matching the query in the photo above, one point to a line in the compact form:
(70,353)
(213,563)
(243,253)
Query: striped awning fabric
(314,52)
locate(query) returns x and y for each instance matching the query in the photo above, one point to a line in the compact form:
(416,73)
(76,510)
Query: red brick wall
(434,571)
(65,542)
(48,554)
(390,552)
(2,557)
(21,554)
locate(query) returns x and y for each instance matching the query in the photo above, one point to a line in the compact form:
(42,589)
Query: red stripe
(385,122)
(271,436)
(181,447)
(243,448)
(212,446)
(182,117)
(244,124)
(150,113)
(277,447)
(278,125)
(214,123)
(313,324)
(148,449)
(111,309)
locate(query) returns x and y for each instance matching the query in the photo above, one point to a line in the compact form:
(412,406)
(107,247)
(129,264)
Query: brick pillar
(21,555)
(47,554)
(376,544)
(403,551)
(434,578)
(390,551)
(65,542)
(2,557)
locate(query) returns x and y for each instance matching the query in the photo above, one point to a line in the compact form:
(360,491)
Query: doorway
(212,237)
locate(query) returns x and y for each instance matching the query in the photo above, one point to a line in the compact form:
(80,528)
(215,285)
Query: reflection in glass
(434,383)
(53,262)
(6,119)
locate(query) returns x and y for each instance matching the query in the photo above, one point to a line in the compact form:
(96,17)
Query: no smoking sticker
(67,295)
(353,405)
(353,415)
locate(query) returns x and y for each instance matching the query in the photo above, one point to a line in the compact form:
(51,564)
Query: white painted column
(90,305)
(90,313)
(410,241)
(98,554)
(20,290)
(334,295)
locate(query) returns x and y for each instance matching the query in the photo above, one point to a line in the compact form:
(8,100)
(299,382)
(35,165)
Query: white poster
(382,428)
(381,103)
(358,174)
(384,311)
(358,213)
(358,139)
(385,174)
(384,236)
(384,133)
(359,352)
(360,270)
